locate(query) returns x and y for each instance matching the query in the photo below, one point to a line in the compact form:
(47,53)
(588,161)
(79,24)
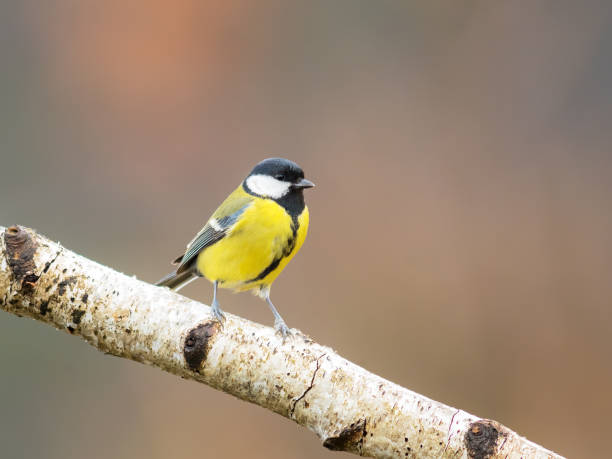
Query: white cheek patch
(264,185)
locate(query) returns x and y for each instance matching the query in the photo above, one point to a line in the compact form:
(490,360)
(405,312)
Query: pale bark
(349,408)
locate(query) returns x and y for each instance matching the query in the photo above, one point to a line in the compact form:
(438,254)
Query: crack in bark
(50,262)
(314,375)
(502,445)
(449,434)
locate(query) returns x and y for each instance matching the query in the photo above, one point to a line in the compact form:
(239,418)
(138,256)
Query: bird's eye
(280,177)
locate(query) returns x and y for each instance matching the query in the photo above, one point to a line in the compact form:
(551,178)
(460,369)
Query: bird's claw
(281,328)
(217,313)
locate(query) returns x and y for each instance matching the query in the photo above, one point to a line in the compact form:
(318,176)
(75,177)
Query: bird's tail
(177,281)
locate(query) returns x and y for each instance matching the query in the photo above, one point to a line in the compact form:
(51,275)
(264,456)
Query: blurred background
(461,228)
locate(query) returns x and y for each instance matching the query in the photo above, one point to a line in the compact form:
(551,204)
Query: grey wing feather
(207,237)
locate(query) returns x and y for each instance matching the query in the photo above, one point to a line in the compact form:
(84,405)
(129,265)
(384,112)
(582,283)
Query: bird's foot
(281,328)
(217,313)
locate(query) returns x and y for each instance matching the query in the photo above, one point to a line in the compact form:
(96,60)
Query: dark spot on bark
(20,250)
(28,283)
(197,344)
(84,298)
(481,439)
(70,329)
(72,299)
(128,331)
(349,439)
(77,315)
(64,270)
(61,287)
(44,307)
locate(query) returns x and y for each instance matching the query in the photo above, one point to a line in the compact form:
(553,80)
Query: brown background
(461,236)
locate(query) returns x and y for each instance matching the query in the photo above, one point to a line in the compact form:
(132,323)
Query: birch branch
(349,408)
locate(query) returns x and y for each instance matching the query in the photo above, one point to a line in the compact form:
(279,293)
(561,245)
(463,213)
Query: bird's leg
(279,324)
(216,310)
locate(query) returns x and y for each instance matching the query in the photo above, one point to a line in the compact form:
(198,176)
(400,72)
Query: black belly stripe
(286,252)
(271,267)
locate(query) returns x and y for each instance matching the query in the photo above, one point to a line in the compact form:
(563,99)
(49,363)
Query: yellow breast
(257,248)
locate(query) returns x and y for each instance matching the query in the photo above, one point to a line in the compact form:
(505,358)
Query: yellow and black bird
(251,237)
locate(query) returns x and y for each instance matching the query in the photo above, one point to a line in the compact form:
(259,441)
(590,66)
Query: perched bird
(251,237)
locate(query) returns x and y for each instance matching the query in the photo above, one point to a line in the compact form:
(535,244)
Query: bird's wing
(217,227)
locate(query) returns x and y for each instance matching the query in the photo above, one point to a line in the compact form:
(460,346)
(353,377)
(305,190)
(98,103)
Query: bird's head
(275,178)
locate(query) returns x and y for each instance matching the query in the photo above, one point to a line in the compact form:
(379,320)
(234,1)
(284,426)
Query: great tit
(251,237)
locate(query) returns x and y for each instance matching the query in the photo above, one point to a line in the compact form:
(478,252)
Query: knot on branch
(482,438)
(197,344)
(20,251)
(350,439)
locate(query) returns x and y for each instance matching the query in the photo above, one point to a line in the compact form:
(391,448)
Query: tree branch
(348,408)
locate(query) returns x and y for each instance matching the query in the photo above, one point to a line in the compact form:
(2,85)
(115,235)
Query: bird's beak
(304,184)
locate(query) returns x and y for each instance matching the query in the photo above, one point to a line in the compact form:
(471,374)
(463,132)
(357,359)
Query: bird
(251,237)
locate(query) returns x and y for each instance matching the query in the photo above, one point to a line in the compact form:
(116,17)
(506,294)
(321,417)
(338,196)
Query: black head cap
(279,168)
